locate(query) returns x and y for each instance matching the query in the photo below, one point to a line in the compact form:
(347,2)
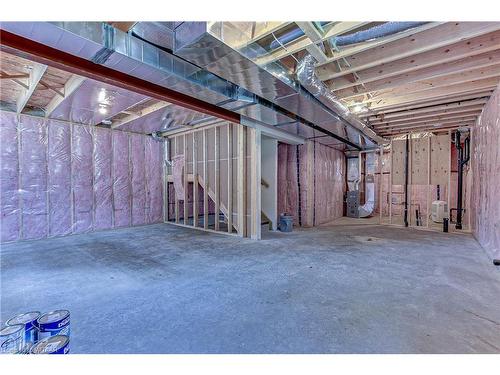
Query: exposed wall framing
(221,178)
(432,163)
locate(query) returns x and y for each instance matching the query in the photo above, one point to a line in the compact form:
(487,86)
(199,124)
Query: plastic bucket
(285,223)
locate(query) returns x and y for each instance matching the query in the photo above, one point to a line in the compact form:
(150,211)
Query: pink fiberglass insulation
(59,178)
(306,185)
(121,179)
(177,169)
(321,198)
(33,169)
(154,202)
(9,178)
(485,154)
(137,159)
(103,184)
(82,170)
(329,184)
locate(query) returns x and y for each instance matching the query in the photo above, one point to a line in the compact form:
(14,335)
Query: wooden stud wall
(430,164)
(221,179)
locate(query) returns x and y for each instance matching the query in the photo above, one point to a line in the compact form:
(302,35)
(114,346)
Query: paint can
(12,339)
(28,320)
(53,323)
(58,344)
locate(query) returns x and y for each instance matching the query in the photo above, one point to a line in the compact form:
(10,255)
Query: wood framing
(73,83)
(217,177)
(303,43)
(185,203)
(230,178)
(437,37)
(242,183)
(35,75)
(196,184)
(255,176)
(217,158)
(205,177)
(361,47)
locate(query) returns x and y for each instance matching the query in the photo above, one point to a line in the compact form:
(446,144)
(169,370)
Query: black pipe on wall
(463,158)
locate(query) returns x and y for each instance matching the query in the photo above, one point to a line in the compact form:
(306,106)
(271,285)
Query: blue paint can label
(58,344)
(53,323)
(12,339)
(30,330)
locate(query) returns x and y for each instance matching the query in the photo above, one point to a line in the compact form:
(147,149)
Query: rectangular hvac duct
(206,45)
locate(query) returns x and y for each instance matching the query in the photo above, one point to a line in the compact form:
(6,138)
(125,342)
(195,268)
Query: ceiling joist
(462,79)
(429,116)
(434,58)
(361,47)
(429,127)
(435,93)
(73,83)
(426,110)
(36,73)
(429,103)
(134,116)
(437,37)
(430,122)
(471,63)
(304,42)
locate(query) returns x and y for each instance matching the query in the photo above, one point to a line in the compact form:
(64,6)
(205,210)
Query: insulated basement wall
(485,214)
(59,178)
(316,177)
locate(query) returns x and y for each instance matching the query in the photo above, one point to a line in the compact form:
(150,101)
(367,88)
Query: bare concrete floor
(346,288)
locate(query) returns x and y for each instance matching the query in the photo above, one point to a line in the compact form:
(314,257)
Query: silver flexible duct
(307,77)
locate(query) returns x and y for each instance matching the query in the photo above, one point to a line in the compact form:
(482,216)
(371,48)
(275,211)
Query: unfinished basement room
(295,187)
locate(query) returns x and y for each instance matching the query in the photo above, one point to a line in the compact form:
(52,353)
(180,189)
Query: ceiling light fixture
(357,109)
(101,98)
(103,109)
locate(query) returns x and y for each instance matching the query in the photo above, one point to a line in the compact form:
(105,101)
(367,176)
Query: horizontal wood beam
(457,51)
(17,80)
(365,46)
(430,115)
(428,128)
(134,116)
(440,36)
(456,79)
(451,119)
(471,63)
(13,76)
(426,110)
(52,88)
(437,93)
(430,103)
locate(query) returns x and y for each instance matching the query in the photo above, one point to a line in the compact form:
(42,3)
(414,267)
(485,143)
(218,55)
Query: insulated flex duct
(306,75)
